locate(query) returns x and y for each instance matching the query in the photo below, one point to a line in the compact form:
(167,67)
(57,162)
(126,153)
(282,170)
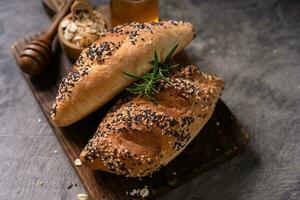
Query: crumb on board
(77,162)
(55,152)
(39,120)
(174,173)
(217,123)
(144,192)
(134,192)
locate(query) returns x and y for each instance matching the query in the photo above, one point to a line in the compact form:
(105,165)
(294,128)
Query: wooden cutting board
(221,138)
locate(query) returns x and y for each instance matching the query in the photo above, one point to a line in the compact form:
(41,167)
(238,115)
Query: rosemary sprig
(147,84)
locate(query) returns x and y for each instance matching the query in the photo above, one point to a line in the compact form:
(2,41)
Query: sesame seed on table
(253,45)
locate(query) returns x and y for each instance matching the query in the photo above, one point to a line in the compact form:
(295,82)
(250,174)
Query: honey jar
(123,11)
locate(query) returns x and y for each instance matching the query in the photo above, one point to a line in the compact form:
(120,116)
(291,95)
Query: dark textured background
(254,45)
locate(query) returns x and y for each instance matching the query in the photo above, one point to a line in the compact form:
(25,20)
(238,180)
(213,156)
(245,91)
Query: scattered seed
(82,196)
(65,23)
(78,162)
(144,192)
(133,192)
(72,27)
(139,192)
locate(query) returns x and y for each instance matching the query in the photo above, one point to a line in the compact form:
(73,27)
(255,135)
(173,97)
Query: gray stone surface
(253,45)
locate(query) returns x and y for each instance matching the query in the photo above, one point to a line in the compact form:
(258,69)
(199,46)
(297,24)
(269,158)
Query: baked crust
(138,136)
(97,76)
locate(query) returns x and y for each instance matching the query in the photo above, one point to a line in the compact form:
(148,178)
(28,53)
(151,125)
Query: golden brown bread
(97,76)
(138,137)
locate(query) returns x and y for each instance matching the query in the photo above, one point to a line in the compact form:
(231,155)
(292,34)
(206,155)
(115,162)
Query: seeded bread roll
(138,137)
(97,76)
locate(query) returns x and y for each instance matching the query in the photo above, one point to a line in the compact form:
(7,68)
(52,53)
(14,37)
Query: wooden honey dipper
(36,55)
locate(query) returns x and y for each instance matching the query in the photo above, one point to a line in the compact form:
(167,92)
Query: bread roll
(138,136)
(97,76)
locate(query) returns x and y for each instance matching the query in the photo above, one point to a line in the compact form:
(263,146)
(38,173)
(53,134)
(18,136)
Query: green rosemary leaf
(174,66)
(132,75)
(147,84)
(170,54)
(155,63)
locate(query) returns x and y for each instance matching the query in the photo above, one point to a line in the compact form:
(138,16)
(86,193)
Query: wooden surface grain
(254,46)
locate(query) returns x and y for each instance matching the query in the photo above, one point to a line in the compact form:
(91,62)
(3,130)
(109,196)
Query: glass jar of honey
(123,11)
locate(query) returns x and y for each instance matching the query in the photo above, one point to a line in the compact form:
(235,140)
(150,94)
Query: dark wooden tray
(221,138)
